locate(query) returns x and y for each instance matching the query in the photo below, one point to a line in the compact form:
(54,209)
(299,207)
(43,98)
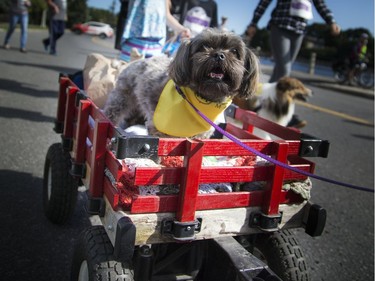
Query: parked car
(103,30)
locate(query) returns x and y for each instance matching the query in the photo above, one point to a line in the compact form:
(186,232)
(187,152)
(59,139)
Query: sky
(348,13)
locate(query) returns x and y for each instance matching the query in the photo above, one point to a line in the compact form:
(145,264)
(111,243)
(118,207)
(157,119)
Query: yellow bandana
(174,116)
(259,89)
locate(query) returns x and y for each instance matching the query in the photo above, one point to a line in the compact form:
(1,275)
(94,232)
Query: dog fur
(275,102)
(214,64)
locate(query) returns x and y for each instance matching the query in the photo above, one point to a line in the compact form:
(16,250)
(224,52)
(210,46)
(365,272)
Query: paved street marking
(336,113)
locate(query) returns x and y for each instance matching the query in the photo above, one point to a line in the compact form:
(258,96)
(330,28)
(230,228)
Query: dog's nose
(220,56)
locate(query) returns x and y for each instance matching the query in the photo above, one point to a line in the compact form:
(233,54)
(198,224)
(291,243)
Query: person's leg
(58,32)
(285,46)
(52,36)
(24,27)
(295,45)
(121,24)
(13,20)
(60,29)
(280,47)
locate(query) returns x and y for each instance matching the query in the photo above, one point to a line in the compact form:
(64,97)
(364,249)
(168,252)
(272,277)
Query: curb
(365,93)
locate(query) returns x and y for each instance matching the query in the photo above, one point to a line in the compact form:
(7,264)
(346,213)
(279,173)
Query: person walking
(57,19)
(287,28)
(19,13)
(146,28)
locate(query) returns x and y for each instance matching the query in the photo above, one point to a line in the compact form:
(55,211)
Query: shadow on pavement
(30,244)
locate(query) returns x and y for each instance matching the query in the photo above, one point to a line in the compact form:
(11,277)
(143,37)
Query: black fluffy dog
(208,70)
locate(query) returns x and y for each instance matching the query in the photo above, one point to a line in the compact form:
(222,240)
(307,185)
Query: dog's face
(216,65)
(292,89)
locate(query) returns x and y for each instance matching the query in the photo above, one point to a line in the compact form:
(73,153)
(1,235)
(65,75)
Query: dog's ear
(179,69)
(286,84)
(251,75)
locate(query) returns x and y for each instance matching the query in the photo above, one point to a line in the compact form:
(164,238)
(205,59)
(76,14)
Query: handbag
(99,77)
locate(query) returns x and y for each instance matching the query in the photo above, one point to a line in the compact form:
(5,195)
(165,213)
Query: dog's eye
(234,51)
(203,48)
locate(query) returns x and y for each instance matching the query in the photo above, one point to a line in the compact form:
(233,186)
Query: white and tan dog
(209,70)
(275,101)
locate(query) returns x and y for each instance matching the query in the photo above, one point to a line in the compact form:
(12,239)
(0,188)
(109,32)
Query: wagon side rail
(97,147)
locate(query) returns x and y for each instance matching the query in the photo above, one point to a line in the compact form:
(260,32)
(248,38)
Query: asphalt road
(31,248)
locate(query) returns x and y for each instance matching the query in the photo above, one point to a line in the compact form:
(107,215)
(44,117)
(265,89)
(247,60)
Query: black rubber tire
(281,251)
(95,250)
(366,79)
(340,76)
(60,189)
(102,36)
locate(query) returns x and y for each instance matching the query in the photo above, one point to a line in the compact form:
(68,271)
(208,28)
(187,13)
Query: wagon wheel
(281,252)
(93,258)
(59,187)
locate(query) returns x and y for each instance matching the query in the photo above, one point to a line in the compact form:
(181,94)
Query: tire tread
(61,204)
(95,247)
(284,255)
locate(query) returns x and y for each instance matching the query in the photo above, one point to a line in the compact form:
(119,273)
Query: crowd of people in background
(287,28)
(144,26)
(19,13)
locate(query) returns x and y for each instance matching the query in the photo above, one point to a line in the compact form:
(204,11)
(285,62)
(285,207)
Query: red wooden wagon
(243,234)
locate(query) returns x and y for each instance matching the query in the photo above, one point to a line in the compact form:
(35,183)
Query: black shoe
(45,44)
(23,50)
(296,122)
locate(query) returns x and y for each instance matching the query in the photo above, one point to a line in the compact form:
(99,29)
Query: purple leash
(268,158)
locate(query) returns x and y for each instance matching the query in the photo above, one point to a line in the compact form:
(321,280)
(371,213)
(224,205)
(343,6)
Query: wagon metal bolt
(110,227)
(309,149)
(112,142)
(145,250)
(146,147)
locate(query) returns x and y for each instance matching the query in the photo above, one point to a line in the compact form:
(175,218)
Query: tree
(338,47)
(261,40)
(36,11)
(77,11)
(102,16)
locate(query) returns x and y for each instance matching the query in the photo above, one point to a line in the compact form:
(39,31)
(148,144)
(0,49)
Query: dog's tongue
(216,75)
